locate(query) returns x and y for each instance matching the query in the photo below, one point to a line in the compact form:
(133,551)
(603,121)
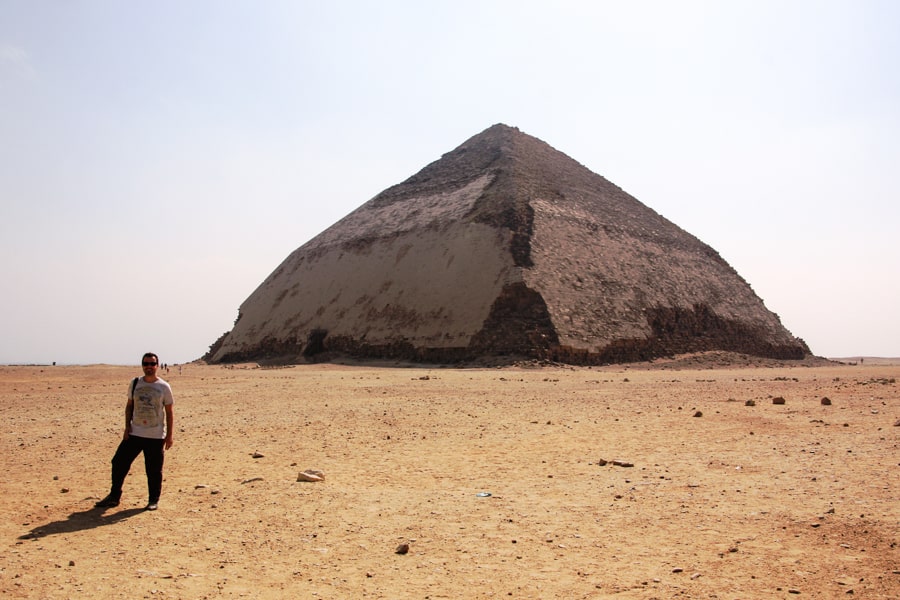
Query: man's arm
(170,423)
(129,413)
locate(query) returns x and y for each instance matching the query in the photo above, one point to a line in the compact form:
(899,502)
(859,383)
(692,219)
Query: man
(149,418)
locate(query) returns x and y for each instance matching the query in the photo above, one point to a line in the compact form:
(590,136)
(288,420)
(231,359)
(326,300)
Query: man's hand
(168,442)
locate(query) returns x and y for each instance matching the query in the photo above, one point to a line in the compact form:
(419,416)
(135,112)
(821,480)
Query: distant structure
(504,247)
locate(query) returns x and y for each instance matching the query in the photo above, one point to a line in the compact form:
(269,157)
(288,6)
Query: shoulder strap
(133,385)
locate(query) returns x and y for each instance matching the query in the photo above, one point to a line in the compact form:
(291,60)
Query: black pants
(153,464)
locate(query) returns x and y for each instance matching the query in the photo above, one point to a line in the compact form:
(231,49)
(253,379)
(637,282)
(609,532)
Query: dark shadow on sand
(79,521)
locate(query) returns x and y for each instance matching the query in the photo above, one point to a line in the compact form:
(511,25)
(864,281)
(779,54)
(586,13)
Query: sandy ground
(765,501)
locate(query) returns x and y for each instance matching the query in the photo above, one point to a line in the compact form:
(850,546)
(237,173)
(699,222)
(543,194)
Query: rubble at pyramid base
(676,332)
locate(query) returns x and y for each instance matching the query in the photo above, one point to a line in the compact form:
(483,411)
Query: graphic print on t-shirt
(146,412)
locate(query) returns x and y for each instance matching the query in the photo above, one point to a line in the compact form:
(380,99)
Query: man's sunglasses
(147,363)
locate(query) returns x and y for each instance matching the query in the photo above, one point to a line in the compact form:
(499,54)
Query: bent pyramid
(503,247)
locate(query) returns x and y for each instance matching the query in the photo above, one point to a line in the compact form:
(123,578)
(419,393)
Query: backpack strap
(133,385)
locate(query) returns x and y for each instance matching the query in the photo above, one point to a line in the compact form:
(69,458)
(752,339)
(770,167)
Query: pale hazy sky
(159,159)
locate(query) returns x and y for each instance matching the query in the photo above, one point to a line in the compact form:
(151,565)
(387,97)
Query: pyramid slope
(504,246)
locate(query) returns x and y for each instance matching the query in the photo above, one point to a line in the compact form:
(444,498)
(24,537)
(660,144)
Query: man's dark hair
(150,355)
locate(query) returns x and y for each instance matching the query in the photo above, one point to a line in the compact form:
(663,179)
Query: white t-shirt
(149,417)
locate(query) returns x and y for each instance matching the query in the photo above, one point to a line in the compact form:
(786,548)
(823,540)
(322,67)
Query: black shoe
(152,506)
(108,502)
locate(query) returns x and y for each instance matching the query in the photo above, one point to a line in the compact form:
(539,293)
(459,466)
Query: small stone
(64,491)
(678,570)
(826,401)
(258,455)
(402,549)
(311,475)
(699,413)
(71,563)
(750,403)
(602,462)
(778,400)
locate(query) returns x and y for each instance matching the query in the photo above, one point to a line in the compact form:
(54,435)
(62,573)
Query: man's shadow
(79,521)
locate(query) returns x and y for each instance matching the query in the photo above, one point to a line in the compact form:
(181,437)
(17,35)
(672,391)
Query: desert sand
(641,481)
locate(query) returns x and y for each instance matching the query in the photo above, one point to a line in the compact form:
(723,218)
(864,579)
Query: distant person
(149,419)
